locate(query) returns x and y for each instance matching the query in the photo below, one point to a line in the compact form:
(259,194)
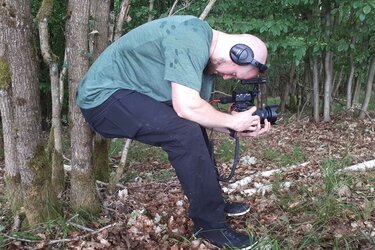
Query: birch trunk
(349,87)
(327,86)
(368,93)
(315,89)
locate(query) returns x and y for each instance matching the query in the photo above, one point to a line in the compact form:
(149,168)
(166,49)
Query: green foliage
(2,242)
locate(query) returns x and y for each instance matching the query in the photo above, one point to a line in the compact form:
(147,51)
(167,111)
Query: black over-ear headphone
(242,54)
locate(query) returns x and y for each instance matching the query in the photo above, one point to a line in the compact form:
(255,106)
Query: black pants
(133,115)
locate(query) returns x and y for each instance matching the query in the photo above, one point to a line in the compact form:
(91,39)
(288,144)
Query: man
(152,85)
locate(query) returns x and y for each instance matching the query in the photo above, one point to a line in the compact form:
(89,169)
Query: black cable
(235,161)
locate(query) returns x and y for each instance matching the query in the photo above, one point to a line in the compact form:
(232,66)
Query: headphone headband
(242,54)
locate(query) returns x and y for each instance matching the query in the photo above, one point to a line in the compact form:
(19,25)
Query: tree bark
(83,194)
(349,87)
(33,166)
(368,93)
(12,175)
(328,67)
(315,89)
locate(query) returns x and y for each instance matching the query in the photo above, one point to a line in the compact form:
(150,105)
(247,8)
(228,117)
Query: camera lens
(268,112)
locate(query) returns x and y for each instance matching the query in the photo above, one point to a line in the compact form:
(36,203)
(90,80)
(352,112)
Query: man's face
(232,70)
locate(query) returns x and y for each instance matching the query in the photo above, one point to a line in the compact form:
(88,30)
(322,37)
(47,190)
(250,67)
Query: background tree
(99,34)
(31,174)
(83,194)
(57,178)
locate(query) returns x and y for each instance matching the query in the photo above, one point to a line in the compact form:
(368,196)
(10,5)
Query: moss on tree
(40,201)
(45,10)
(5,74)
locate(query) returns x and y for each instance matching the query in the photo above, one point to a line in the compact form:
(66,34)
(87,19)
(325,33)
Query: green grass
(163,175)
(293,157)
(138,151)
(226,149)
(321,206)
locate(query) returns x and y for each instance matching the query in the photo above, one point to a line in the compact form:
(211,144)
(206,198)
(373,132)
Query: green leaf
(367,9)
(362,17)
(356,5)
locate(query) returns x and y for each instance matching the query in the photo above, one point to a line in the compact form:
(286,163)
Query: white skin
(189,105)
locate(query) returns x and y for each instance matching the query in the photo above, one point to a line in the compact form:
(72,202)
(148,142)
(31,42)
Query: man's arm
(189,105)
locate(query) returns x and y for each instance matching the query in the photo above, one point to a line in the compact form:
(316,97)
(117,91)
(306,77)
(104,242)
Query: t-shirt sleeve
(186,53)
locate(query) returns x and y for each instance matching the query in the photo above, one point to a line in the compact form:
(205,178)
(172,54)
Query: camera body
(244,99)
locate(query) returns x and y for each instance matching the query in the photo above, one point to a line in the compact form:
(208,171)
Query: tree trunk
(33,166)
(12,174)
(122,17)
(151,10)
(287,87)
(349,87)
(100,12)
(57,178)
(315,89)
(83,194)
(327,86)
(339,80)
(368,93)
(357,90)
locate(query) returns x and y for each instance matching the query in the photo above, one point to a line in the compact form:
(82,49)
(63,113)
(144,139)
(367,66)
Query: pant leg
(134,115)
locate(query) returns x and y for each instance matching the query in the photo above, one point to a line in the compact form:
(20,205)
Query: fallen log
(363,166)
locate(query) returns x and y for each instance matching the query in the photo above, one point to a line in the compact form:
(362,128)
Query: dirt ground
(292,178)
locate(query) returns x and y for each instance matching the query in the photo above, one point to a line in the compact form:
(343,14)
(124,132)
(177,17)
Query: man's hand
(248,125)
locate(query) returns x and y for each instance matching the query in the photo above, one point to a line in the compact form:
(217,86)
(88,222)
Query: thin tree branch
(122,17)
(173,7)
(207,10)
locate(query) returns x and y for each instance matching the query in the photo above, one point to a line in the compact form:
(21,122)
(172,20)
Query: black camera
(244,99)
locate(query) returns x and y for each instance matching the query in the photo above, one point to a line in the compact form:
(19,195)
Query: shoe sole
(216,247)
(249,247)
(238,214)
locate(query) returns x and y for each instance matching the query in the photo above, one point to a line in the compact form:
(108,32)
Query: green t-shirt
(148,59)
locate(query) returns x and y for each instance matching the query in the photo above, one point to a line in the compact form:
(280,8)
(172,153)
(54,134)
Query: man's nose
(226,77)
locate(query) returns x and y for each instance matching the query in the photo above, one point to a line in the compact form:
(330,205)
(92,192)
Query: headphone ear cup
(241,54)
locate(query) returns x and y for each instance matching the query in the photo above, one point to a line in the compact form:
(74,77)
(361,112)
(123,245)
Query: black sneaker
(236,208)
(227,237)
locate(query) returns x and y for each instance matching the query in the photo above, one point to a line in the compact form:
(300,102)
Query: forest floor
(294,179)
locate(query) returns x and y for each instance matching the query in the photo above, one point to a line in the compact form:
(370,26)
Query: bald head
(221,56)
(258,46)
(224,42)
